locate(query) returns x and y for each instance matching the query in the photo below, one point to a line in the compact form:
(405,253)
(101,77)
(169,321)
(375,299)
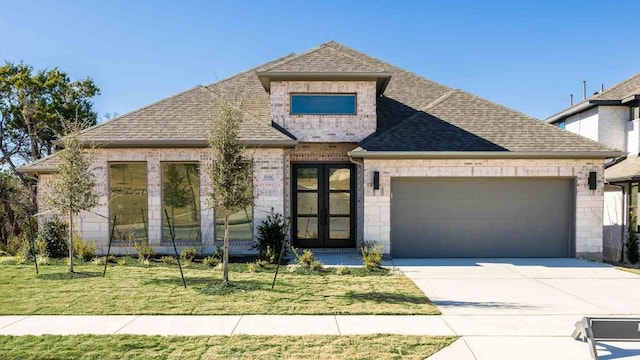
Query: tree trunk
(225,257)
(70,241)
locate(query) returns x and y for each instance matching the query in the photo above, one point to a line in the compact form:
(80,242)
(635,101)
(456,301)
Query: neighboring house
(612,117)
(351,149)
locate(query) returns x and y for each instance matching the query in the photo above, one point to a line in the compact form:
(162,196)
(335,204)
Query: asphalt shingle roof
(624,170)
(414,113)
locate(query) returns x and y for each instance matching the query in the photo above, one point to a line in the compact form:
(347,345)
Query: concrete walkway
(524,308)
(224,325)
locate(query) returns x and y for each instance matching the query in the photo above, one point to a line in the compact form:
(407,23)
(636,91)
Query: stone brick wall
(325,128)
(94,224)
(588,207)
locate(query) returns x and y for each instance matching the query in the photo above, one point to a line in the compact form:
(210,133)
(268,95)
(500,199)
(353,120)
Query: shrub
(54,233)
(307,260)
(122,261)
(211,261)
(371,255)
(43,260)
(20,258)
(41,247)
(272,237)
(144,250)
(262,263)
(188,254)
(82,249)
(251,267)
(168,260)
(631,247)
(342,270)
(218,253)
(97,261)
(14,245)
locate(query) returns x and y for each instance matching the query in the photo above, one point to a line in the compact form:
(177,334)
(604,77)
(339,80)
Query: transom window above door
(323,104)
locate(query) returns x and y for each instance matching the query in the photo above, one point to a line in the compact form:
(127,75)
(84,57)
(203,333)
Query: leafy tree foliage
(13,213)
(230,174)
(73,185)
(31,106)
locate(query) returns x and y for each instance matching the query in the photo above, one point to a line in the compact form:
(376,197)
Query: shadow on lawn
(217,288)
(388,298)
(70,276)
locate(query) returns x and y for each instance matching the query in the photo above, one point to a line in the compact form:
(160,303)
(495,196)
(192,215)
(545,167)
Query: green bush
(251,267)
(144,250)
(271,238)
(631,247)
(342,270)
(16,243)
(307,260)
(211,261)
(218,253)
(82,249)
(168,260)
(188,254)
(371,255)
(55,234)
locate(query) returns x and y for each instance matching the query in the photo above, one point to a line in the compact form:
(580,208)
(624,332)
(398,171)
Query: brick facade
(326,128)
(93,225)
(589,203)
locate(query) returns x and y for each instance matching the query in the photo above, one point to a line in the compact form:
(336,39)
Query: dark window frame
(109,211)
(163,216)
(355,103)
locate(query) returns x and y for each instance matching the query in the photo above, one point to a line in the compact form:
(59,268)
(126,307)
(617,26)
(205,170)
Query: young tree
(31,105)
(230,174)
(176,194)
(73,186)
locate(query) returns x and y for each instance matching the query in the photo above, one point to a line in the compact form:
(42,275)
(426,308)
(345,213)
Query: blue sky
(526,55)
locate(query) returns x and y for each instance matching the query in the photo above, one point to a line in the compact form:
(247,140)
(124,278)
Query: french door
(323,205)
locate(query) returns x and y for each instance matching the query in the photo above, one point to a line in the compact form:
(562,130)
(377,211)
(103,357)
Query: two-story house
(351,149)
(612,117)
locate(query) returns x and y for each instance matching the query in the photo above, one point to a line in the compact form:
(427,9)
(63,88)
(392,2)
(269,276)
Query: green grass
(221,347)
(135,289)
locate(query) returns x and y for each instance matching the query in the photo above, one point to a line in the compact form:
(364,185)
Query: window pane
(307,228)
(307,179)
(240,225)
(128,201)
(323,104)
(340,203)
(308,203)
(339,228)
(339,179)
(181,200)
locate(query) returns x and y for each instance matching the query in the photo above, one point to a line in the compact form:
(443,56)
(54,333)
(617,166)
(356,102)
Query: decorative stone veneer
(93,225)
(588,207)
(325,128)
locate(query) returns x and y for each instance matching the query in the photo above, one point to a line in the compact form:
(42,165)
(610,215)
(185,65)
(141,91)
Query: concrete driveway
(524,308)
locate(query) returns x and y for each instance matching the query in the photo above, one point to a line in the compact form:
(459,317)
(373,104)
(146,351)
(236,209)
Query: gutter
(570,111)
(485,154)
(182,143)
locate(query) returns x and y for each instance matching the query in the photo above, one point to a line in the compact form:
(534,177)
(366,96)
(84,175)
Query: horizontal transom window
(323,104)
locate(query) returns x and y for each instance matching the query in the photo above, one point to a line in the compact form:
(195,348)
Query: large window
(634,112)
(128,201)
(240,225)
(181,200)
(323,104)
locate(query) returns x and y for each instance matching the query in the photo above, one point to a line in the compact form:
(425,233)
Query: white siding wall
(613,222)
(584,123)
(612,126)
(633,137)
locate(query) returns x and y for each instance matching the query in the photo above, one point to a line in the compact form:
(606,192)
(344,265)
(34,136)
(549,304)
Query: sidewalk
(225,325)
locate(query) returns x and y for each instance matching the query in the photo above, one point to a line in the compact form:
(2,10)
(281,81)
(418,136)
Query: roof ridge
(140,109)
(297,56)
(633,77)
(537,121)
(440,99)
(275,62)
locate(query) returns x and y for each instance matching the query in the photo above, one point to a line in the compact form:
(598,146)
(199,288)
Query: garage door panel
(481,217)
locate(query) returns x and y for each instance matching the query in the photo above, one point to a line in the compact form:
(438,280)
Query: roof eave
(485,154)
(183,143)
(570,111)
(382,78)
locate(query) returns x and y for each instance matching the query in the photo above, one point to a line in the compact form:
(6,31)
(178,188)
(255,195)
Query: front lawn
(221,347)
(157,289)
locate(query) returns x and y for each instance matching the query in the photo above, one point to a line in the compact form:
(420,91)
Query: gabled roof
(414,115)
(182,119)
(621,93)
(47,164)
